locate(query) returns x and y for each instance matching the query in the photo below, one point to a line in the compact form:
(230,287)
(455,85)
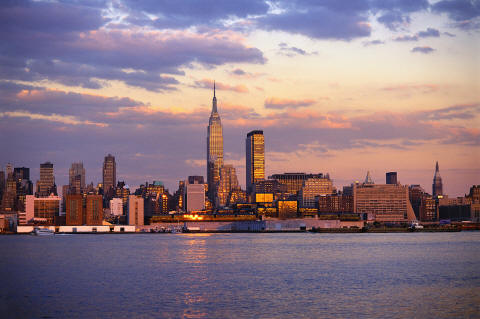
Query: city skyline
(372,87)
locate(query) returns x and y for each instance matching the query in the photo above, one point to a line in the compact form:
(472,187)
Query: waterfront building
(42,210)
(287,209)
(423,204)
(195,196)
(74,210)
(255,159)
(334,203)
(94,210)
(76,178)
(437,186)
(46,184)
(109,173)
(315,186)
(391,178)
(116,206)
(135,213)
(267,190)
(383,202)
(214,150)
(228,183)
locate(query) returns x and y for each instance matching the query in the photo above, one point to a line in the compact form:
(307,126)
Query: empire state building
(214,149)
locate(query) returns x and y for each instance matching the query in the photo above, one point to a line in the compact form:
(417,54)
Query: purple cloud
(430,32)
(425,49)
(373,42)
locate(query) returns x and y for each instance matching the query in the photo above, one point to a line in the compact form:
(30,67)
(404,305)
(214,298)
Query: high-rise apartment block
(255,158)
(135,213)
(214,150)
(195,196)
(109,175)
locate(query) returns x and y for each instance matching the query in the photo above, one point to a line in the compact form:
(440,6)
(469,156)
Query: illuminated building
(228,183)
(74,210)
(312,187)
(116,206)
(335,204)
(391,178)
(266,191)
(42,210)
(195,196)
(255,158)
(287,208)
(214,150)
(177,201)
(94,210)
(46,184)
(293,181)
(135,210)
(76,178)
(109,173)
(383,203)
(122,191)
(9,200)
(236,196)
(437,186)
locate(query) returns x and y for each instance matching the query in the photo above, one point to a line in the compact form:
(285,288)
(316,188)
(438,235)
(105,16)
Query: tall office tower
(214,149)
(391,178)
(437,186)
(255,158)
(46,184)
(228,183)
(76,178)
(109,175)
(24,185)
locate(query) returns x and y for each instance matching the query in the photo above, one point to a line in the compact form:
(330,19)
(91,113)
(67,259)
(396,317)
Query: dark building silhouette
(109,176)
(437,186)
(391,178)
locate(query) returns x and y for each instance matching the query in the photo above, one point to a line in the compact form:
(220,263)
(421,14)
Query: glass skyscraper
(255,158)
(214,150)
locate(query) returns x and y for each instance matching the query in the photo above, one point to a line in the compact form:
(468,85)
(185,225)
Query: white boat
(416,225)
(43,232)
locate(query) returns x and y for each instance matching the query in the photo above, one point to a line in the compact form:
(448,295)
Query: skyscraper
(437,186)
(109,175)
(76,178)
(46,184)
(214,149)
(255,158)
(228,183)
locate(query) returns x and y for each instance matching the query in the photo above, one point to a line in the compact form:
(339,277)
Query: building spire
(214,102)
(436,167)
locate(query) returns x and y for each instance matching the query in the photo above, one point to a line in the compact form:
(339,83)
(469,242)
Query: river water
(300,275)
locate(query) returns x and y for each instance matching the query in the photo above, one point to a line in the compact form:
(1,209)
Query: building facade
(195,196)
(76,178)
(214,150)
(228,183)
(255,158)
(46,184)
(42,210)
(135,210)
(313,187)
(383,203)
(109,175)
(74,210)
(116,206)
(94,210)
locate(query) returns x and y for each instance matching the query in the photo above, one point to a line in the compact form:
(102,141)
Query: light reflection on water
(413,275)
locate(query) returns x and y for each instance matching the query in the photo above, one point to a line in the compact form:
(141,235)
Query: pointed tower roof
(214,102)
(368,179)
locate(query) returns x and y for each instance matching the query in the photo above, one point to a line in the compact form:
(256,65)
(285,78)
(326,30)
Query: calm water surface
(302,275)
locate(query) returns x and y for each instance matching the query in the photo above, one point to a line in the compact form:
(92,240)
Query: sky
(338,87)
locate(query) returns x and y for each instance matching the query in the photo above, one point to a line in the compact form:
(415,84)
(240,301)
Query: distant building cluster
(280,196)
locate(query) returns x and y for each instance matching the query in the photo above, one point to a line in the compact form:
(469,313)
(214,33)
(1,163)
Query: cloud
(46,41)
(64,119)
(430,32)
(279,103)
(424,49)
(373,42)
(291,51)
(465,13)
(208,84)
(425,88)
(394,19)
